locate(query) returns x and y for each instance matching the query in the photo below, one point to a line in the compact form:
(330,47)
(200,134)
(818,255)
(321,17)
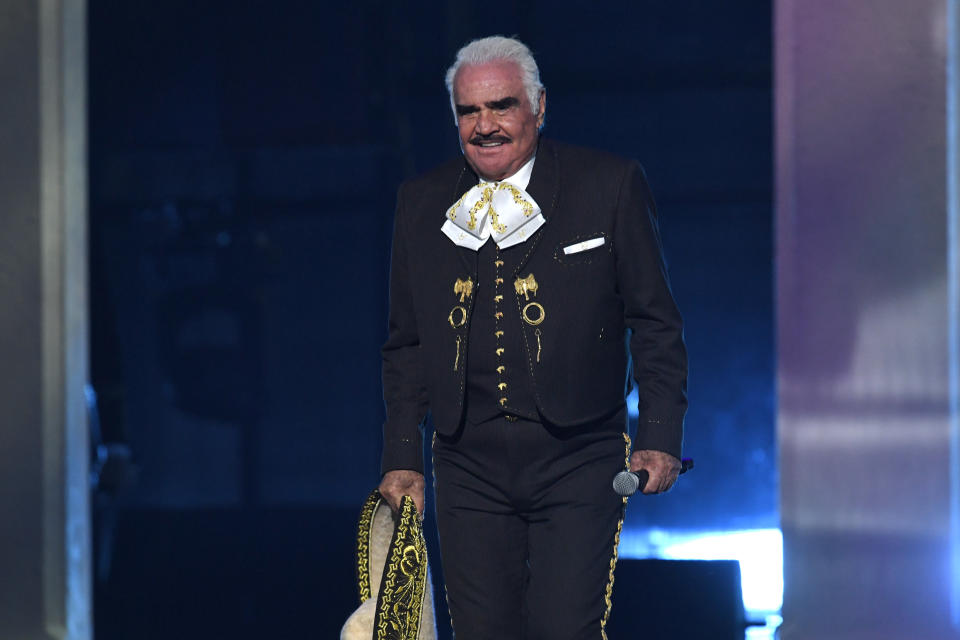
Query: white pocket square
(593,243)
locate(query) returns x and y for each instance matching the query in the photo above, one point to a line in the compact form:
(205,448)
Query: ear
(542,108)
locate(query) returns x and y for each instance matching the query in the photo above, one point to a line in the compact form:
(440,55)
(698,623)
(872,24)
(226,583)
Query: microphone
(627,483)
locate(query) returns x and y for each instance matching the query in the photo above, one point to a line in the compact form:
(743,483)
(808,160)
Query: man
(525,276)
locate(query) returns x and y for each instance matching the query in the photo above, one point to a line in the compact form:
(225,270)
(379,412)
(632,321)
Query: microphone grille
(626,483)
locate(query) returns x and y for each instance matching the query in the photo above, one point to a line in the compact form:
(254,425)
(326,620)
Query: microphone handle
(643,476)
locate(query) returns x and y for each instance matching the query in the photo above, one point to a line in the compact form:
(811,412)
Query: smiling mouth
(489,143)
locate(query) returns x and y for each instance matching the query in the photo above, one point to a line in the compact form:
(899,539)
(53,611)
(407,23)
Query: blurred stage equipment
(688,599)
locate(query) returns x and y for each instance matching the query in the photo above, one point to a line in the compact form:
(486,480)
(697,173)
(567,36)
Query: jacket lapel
(544,187)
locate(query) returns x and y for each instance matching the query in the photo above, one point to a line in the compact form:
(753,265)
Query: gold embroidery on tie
(463,317)
(500,351)
(501,369)
(526,286)
(497,298)
(499,334)
(495,221)
(484,200)
(502,386)
(518,198)
(534,321)
(463,287)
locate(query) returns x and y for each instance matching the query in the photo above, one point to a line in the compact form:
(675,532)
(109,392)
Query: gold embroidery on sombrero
(363,544)
(405,576)
(608,594)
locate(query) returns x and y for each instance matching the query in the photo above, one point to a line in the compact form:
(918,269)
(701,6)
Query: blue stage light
(759,552)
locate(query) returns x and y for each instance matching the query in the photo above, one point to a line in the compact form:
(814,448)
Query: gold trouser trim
(608,593)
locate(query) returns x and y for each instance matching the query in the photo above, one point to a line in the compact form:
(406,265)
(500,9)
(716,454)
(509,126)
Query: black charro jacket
(608,310)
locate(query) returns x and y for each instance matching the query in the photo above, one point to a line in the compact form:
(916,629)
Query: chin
(489,170)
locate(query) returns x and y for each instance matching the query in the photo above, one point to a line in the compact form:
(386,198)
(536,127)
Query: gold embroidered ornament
(393,576)
(533,314)
(513,216)
(526,286)
(463,287)
(457,317)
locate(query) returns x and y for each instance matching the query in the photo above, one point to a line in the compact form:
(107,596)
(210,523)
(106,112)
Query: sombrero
(393,577)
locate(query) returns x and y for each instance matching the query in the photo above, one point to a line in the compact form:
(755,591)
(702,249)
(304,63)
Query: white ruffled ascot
(502,210)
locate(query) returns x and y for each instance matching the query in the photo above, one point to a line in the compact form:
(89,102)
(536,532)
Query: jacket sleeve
(404,392)
(652,318)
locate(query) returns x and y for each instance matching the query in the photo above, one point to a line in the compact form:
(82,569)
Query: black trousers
(528,525)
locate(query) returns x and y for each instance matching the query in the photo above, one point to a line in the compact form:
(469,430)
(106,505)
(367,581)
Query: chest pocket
(584,249)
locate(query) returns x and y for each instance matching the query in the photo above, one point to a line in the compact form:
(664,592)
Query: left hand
(662,467)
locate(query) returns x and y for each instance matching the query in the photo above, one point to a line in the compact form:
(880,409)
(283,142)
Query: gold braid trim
(608,594)
(400,602)
(363,544)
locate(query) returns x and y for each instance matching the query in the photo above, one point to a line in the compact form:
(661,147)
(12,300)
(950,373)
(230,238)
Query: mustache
(490,138)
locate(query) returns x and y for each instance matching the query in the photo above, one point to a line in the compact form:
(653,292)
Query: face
(498,128)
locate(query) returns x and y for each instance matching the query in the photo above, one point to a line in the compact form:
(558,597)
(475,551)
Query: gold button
(499,351)
(501,369)
(502,386)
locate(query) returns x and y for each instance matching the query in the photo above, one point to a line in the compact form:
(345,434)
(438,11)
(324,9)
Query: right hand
(396,484)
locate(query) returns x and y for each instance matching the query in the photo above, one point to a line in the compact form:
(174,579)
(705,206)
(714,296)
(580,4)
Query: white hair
(496,49)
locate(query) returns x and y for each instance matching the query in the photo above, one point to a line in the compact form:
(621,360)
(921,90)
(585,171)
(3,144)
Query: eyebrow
(497,105)
(503,103)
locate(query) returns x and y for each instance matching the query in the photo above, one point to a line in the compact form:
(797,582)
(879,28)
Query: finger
(394,499)
(658,483)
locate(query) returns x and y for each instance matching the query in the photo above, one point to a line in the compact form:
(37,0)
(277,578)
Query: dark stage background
(244,161)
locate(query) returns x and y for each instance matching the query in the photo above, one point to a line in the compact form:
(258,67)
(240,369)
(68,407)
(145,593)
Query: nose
(486,123)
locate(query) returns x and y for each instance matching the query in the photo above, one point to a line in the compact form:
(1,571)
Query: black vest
(497,377)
